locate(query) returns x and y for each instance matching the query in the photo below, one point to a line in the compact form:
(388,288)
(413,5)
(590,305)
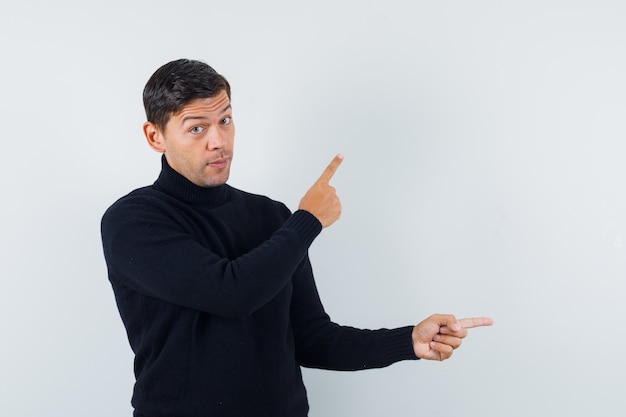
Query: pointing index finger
(468,323)
(331,169)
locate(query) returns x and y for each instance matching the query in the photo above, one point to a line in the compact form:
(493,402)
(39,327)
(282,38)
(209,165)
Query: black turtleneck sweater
(216,291)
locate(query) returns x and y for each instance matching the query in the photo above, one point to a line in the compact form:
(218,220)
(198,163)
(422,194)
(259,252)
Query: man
(214,284)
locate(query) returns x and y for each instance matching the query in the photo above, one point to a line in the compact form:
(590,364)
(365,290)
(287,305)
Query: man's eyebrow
(190,117)
(187,118)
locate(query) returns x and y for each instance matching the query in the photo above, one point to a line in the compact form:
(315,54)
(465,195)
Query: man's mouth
(220,163)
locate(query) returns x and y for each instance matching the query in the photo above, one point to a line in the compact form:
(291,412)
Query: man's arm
(152,254)
(149,253)
(321,343)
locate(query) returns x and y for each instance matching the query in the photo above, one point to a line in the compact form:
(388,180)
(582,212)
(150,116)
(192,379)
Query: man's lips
(220,163)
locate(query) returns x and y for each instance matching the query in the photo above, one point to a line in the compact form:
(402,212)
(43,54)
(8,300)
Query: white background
(484,175)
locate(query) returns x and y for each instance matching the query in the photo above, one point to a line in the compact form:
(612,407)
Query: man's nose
(215,139)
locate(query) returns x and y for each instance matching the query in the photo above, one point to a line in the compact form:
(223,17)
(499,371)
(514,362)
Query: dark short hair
(177,83)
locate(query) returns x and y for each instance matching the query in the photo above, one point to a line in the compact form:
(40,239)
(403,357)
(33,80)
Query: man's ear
(154,136)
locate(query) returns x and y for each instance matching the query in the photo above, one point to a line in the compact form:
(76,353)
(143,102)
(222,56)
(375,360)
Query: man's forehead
(205,106)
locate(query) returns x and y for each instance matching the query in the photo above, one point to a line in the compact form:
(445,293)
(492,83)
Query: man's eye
(226,121)
(196,129)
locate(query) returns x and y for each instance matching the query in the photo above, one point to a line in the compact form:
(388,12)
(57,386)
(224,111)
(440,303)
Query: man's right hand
(321,200)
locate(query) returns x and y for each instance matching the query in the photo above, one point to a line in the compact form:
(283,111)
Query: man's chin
(215,181)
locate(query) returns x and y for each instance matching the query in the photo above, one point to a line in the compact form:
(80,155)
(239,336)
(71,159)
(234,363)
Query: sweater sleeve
(146,252)
(321,343)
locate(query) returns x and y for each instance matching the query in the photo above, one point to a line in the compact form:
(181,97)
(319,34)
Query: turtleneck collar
(174,184)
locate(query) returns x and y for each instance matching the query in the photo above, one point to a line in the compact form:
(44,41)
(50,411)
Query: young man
(214,284)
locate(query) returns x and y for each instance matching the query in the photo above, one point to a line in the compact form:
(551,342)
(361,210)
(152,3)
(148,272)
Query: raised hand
(437,336)
(321,199)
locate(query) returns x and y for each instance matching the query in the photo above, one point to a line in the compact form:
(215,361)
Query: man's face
(198,140)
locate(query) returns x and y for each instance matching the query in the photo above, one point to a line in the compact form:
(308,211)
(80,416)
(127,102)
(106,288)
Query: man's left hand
(436,337)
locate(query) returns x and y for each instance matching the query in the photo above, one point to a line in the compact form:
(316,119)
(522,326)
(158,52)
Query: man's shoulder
(146,193)
(137,200)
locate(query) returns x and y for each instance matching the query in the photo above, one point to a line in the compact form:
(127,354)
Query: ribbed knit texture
(216,291)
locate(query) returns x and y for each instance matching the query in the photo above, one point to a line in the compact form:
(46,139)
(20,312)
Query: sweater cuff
(305,225)
(399,344)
